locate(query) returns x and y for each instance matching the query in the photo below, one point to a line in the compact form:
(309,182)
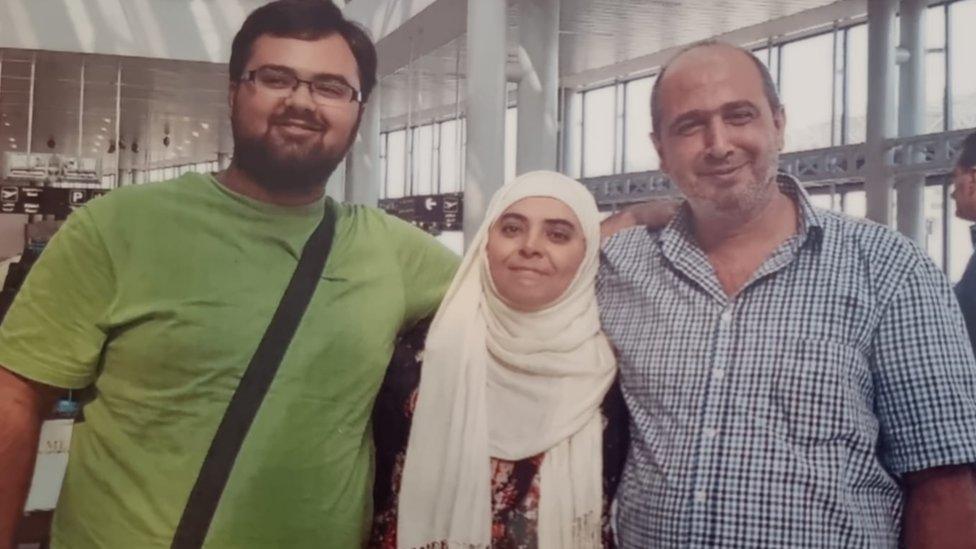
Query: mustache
(301,117)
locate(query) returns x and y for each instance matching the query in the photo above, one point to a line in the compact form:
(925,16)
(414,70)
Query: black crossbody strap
(244,405)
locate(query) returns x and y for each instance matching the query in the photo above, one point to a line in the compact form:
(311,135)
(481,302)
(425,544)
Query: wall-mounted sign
(431,212)
(56,201)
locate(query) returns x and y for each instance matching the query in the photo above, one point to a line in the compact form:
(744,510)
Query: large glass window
(806,89)
(451,156)
(599,131)
(639,153)
(423,160)
(572,163)
(935,74)
(934,231)
(962,47)
(396,164)
(857,84)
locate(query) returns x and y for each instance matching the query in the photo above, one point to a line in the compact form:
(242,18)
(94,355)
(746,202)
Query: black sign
(430,212)
(58,202)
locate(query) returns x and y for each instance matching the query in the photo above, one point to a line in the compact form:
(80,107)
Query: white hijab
(501,383)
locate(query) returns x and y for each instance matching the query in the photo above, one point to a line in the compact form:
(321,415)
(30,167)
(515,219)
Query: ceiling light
(12,139)
(94,150)
(7,124)
(195,134)
(186,141)
(107,120)
(13,145)
(204,125)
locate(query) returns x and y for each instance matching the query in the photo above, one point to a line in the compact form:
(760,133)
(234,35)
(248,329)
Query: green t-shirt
(158,295)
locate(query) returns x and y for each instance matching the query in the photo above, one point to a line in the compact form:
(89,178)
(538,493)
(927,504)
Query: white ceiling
(596,38)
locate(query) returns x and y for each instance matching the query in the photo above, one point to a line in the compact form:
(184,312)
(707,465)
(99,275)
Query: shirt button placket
(711,419)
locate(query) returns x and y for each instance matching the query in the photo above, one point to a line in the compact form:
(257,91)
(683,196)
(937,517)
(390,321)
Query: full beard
(291,168)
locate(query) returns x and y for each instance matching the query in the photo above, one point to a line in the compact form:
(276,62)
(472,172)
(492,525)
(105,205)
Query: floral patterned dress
(515,484)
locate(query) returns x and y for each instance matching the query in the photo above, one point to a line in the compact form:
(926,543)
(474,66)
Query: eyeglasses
(324,91)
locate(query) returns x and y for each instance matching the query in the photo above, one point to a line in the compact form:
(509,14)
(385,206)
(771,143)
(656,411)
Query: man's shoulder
(631,247)
(630,242)
(867,238)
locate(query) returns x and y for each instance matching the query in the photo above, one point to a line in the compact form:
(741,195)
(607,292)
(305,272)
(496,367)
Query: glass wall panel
(962,49)
(639,153)
(806,89)
(449,161)
(855,203)
(396,162)
(935,69)
(598,131)
(857,83)
(423,159)
(574,135)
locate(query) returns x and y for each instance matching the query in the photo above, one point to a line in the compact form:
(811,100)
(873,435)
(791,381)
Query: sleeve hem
(44,374)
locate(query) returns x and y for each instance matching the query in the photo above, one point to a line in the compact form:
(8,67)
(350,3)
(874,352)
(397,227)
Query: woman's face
(534,250)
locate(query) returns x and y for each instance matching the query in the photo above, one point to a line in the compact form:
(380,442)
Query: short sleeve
(427,267)
(925,376)
(55,330)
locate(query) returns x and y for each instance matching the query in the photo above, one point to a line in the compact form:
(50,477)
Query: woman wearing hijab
(508,446)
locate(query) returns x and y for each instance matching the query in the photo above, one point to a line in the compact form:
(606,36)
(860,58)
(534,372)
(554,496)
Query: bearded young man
(158,295)
(795,377)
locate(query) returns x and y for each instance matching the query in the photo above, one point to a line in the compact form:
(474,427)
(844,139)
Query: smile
(299,128)
(724,172)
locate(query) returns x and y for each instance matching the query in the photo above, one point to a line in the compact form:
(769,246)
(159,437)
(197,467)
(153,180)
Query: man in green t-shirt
(157,296)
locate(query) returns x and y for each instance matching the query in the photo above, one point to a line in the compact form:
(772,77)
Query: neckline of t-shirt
(305,210)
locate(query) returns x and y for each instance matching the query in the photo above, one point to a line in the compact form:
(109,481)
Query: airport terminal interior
(100,94)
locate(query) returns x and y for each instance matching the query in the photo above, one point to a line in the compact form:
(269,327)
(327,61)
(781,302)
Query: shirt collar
(809,220)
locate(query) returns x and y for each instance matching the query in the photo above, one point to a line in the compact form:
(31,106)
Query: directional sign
(9,195)
(56,201)
(432,212)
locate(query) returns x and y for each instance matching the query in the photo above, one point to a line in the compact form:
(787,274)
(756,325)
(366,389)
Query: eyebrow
(553,221)
(701,113)
(315,77)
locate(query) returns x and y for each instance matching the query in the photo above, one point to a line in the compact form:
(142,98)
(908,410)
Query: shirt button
(718,374)
(711,432)
(726,316)
(700,496)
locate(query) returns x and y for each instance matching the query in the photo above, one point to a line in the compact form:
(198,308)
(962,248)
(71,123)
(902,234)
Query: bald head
(704,52)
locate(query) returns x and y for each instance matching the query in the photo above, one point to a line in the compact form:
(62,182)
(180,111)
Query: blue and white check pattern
(785,416)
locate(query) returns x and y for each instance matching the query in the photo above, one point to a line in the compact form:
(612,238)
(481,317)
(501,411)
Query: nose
(717,144)
(301,96)
(532,244)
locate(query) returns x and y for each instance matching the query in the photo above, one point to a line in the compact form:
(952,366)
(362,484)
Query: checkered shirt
(785,416)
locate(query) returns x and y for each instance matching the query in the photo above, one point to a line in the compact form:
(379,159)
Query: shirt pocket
(807,392)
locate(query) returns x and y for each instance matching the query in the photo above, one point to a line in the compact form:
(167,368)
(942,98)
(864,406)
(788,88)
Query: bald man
(796,377)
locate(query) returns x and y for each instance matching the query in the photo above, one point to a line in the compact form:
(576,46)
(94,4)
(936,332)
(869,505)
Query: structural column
(882,114)
(363,178)
(911,115)
(538,90)
(485,155)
